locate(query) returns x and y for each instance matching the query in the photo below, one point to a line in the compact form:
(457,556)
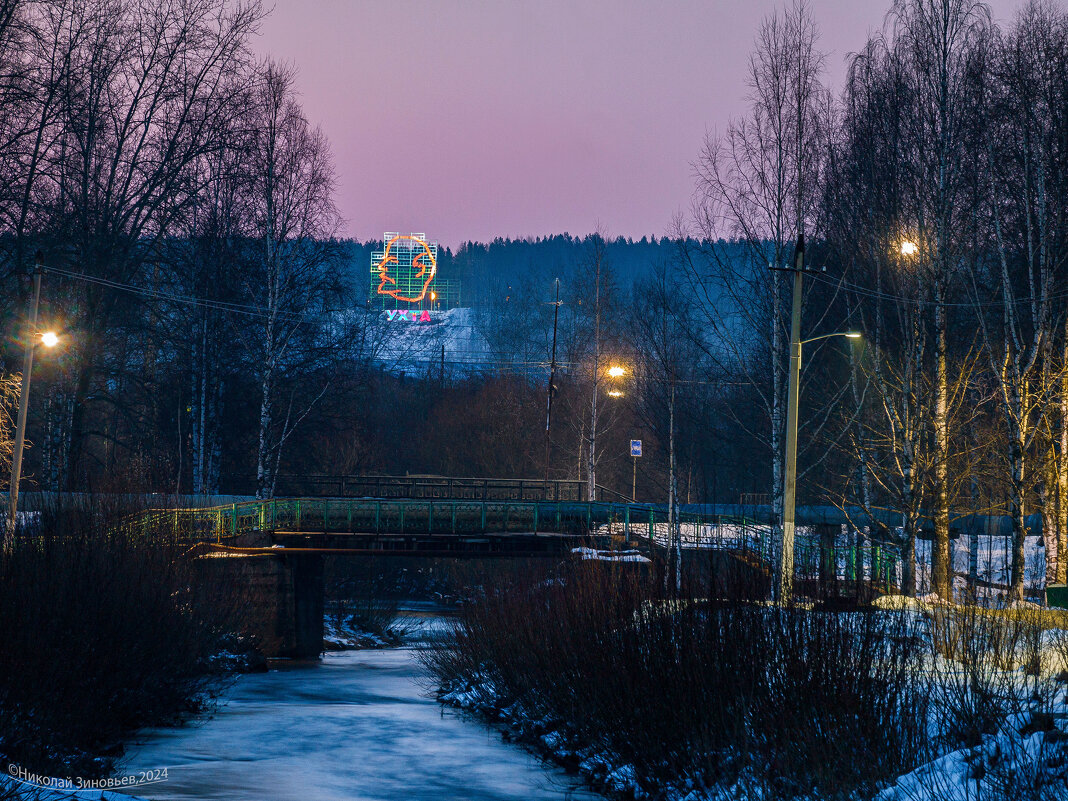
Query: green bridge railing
(432,517)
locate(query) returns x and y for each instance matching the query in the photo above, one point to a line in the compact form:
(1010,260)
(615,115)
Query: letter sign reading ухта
(635,447)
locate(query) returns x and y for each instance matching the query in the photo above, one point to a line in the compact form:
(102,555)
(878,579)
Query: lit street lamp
(909,248)
(49,339)
(786,556)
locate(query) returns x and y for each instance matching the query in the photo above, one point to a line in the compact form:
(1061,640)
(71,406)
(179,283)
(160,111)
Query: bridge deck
(458,527)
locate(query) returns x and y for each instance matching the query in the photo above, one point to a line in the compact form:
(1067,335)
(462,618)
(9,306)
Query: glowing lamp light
(433,295)
(853,334)
(49,339)
(615,371)
(909,248)
(615,393)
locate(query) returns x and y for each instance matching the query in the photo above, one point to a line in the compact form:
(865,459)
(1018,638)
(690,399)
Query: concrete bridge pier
(307,587)
(280,598)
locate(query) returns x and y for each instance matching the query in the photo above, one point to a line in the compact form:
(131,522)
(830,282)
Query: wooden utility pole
(784,585)
(552,382)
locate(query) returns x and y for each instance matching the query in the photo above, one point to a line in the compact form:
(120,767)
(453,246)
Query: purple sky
(470,120)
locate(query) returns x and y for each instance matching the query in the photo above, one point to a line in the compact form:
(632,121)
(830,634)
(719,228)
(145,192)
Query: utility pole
(784,587)
(552,384)
(24,398)
(675,532)
(591,472)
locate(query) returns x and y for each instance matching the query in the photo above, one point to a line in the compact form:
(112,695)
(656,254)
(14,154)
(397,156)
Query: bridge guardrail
(433,487)
(876,562)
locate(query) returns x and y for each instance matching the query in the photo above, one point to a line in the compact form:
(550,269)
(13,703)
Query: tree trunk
(941,576)
(264,479)
(1016,504)
(1062,480)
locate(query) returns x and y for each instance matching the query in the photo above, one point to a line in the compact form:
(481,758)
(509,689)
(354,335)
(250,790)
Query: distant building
(404,275)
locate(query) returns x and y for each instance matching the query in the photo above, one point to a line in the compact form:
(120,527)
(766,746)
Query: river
(357,726)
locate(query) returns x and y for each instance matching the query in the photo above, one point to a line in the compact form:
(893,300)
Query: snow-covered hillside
(401,342)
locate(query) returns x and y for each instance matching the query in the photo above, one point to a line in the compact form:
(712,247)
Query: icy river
(358,725)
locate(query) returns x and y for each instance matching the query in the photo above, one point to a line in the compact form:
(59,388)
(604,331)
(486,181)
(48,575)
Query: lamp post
(49,340)
(786,555)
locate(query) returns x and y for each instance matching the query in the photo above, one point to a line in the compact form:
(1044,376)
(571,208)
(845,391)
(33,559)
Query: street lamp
(616,371)
(786,556)
(49,339)
(909,248)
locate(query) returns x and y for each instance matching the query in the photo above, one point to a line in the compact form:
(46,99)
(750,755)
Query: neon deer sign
(424,267)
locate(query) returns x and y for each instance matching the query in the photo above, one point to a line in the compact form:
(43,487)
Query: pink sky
(471,120)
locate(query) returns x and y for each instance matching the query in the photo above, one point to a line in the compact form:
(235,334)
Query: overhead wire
(888,296)
(428,357)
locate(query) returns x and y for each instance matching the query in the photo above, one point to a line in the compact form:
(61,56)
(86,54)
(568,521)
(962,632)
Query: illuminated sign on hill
(406,267)
(408,316)
(404,275)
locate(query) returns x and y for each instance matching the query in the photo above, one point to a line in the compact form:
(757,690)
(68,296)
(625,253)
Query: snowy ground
(1024,759)
(405,344)
(342,632)
(994,553)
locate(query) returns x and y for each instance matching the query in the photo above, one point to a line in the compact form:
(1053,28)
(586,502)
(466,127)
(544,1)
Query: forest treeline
(216,332)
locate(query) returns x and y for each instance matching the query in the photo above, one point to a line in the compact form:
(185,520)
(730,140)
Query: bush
(997,677)
(774,702)
(104,631)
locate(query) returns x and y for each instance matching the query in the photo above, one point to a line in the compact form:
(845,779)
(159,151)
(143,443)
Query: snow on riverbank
(344,633)
(1021,753)
(550,738)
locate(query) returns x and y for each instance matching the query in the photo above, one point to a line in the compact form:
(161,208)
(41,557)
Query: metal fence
(437,487)
(815,557)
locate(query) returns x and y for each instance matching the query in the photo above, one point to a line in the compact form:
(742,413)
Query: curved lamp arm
(849,334)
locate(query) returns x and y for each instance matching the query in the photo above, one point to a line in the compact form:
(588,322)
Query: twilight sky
(470,119)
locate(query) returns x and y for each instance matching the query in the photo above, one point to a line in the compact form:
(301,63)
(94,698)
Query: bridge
(457,528)
(278,545)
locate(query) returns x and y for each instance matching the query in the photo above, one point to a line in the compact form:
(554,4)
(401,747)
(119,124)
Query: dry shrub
(997,679)
(104,631)
(795,701)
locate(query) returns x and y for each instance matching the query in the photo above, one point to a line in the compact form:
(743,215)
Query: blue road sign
(635,447)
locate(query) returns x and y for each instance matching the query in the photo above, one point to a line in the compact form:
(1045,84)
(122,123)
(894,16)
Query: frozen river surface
(358,725)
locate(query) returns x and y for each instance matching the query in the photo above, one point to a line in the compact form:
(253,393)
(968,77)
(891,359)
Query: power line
(879,295)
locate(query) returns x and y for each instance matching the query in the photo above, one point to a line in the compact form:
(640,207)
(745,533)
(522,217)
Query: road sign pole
(635,452)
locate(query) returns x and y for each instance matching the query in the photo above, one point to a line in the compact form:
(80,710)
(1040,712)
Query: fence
(815,557)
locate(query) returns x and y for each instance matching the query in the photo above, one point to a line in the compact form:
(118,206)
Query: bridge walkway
(464,527)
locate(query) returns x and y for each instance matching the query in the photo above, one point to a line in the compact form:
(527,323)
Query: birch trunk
(941,570)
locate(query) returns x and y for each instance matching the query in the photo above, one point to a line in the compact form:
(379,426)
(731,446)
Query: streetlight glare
(49,339)
(615,371)
(615,393)
(909,248)
(853,334)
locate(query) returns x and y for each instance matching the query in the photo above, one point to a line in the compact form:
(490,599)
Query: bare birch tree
(758,184)
(294,220)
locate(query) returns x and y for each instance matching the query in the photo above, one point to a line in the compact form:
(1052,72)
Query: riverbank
(105,631)
(695,701)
